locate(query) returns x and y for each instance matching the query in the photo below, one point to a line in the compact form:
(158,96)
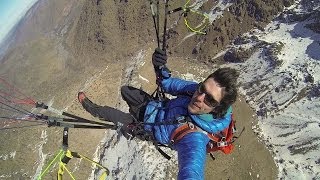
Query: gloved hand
(159,58)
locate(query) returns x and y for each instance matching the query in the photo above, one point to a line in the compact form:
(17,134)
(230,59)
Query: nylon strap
(189,127)
(181,131)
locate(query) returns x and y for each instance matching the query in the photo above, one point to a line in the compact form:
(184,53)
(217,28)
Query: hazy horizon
(11,12)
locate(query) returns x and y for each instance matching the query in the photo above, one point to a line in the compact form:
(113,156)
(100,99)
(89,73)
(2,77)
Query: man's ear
(213,113)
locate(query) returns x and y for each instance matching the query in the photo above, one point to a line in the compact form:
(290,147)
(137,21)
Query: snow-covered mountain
(281,81)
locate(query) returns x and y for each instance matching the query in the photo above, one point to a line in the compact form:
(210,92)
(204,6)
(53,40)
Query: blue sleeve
(192,156)
(175,86)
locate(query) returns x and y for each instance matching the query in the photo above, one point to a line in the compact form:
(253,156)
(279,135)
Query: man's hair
(226,78)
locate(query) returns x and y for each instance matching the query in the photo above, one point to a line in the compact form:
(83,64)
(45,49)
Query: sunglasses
(208,99)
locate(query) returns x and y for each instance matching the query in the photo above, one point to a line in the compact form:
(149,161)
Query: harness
(221,141)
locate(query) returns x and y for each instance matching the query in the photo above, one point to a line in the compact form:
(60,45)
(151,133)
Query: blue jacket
(192,147)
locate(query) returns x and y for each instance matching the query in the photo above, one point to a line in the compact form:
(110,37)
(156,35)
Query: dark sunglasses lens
(208,99)
(201,88)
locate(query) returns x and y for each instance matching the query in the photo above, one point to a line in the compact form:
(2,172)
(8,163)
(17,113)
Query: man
(206,105)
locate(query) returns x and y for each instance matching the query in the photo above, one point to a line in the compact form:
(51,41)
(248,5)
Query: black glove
(159,58)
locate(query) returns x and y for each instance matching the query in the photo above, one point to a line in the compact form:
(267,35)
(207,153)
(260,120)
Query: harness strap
(217,140)
(178,120)
(219,143)
(214,137)
(181,131)
(161,151)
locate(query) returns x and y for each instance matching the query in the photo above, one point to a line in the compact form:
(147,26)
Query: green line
(48,167)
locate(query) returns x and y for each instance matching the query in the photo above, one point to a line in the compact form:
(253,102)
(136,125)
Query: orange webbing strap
(231,130)
(213,137)
(181,131)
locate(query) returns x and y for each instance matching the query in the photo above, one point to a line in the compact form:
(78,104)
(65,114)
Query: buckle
(181,119)
(234,130)
(191,125)
(130,136)
(211,145)
(222,142)
(118,127)
(171,142)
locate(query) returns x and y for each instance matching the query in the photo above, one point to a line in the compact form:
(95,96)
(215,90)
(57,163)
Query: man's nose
(200,97)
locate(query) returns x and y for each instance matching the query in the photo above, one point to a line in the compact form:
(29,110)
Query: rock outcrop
(239,18)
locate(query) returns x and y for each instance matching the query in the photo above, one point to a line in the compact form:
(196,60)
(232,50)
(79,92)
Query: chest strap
(217,140)
(183,130)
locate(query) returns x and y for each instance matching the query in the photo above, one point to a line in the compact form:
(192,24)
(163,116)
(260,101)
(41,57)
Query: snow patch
(42,157)
(143,78)
(10,155)
(286,96)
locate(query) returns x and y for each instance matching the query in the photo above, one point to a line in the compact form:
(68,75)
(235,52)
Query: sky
(11,12)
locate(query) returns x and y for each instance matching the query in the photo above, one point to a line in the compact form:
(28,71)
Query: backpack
(221,141)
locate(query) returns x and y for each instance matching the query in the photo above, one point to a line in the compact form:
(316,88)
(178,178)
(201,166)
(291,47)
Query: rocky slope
(239,18)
